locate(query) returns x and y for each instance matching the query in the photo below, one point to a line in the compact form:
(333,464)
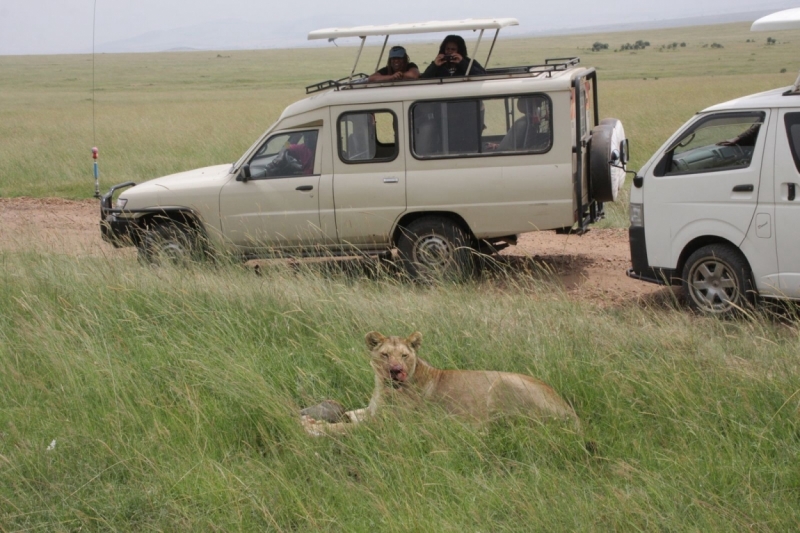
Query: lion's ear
(414,340)
(374,339)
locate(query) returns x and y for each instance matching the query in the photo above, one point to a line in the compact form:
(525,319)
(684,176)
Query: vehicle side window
(367,136)
(720,142)
(285,154)
(490,126)
(792,121)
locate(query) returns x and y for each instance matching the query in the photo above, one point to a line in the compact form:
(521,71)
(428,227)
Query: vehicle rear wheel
(435,247)
(170,243)
(717,280)
(608,145)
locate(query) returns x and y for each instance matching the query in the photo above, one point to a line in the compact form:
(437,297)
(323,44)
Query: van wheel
(170,243)
(717,280)
(435,247)
(607,145)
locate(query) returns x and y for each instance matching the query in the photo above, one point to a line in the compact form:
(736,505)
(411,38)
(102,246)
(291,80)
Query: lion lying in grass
(473,394)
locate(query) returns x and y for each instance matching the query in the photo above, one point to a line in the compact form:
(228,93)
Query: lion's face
(394,359)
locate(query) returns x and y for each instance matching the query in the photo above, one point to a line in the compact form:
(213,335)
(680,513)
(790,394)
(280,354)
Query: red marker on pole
(96,174)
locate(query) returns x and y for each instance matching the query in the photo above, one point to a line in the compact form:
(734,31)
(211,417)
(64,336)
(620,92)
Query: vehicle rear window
(481,127)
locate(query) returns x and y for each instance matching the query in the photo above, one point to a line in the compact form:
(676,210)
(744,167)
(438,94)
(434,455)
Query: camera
(449,59)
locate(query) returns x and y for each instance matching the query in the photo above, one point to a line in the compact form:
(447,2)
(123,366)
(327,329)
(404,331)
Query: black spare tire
(607,159)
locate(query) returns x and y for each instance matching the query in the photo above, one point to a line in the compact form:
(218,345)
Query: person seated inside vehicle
(296,158)
(398,67)
(746,138)
(452,60)
(528,131)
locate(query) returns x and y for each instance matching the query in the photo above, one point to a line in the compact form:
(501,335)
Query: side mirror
(638,181)
(244,175)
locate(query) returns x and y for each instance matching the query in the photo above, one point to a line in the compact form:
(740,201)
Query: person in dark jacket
(452,60)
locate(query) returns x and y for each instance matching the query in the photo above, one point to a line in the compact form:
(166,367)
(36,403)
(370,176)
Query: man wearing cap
(397,68)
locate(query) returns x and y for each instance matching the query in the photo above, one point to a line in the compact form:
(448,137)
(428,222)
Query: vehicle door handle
(305,188)
(743,188)
(391,180)
(791,192)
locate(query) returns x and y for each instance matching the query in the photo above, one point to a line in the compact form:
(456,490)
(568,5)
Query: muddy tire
(436,248)
(170,243)
(608,144)
(718,281)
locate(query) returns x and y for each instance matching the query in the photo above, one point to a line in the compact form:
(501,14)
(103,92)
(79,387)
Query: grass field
(159,399)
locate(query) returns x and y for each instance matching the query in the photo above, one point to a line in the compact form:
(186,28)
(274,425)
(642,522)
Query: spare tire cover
(607,145)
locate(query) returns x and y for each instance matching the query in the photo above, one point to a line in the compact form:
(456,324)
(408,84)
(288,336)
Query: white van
(713,209)
(435,168)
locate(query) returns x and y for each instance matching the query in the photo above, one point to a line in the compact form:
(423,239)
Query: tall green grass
(173,399)
(171,396)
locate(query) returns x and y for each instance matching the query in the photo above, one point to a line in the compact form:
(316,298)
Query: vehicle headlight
(637,215)
(121,203)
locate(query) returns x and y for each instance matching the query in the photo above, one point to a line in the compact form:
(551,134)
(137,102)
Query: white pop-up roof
(414,27)
(788,19)
(433,26)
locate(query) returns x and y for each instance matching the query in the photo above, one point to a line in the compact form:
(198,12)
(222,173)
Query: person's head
(453,44)
(398,59)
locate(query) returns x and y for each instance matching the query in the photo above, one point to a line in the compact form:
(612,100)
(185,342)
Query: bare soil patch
(591,267)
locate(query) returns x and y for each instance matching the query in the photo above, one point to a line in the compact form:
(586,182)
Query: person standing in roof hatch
(397,68)
(452,60)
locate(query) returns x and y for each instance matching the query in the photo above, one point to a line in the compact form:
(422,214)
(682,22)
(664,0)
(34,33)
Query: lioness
(475,394)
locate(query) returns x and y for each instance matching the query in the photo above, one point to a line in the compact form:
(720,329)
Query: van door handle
(305,188)
(791,192)
(391,180)
(743,188)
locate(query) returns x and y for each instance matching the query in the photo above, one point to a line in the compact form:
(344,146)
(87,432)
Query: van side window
(792,121)
(720,142)
(490,126)
(367,136)
(285,154)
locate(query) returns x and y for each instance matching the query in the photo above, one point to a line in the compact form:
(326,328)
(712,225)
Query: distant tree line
(638,45)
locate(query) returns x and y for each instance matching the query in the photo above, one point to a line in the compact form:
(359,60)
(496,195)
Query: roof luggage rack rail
(327,84)
(549,66)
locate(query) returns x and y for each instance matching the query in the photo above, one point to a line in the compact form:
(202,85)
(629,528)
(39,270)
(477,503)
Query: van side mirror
(638,181)
(245,173)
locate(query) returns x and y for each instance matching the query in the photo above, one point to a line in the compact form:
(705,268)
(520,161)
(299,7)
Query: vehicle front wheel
(170,243)
(435,247)
(717,280)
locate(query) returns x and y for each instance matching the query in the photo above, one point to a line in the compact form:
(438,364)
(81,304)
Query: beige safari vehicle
(434,169)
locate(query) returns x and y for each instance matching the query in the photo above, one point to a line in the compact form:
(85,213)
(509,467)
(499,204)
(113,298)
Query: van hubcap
(433,251)
(714,285)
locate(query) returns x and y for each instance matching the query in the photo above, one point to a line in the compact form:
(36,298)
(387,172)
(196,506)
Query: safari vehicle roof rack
(327,84)
(547,69)
(788,19)
(363,32)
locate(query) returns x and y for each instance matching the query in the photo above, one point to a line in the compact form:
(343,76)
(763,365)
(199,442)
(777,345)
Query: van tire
(718,281)
(436,248)
(606,180)
(170,243)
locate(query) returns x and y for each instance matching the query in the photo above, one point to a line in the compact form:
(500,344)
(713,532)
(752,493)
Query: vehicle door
(369,174)
(583,118)
(274,202)
(705,184)
(787,201)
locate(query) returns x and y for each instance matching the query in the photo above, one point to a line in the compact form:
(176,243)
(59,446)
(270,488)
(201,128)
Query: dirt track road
(591,267)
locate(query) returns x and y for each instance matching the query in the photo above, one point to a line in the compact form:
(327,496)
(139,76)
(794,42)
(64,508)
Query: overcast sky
(65,26)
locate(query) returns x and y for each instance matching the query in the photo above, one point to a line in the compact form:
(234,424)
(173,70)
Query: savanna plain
(167,399)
